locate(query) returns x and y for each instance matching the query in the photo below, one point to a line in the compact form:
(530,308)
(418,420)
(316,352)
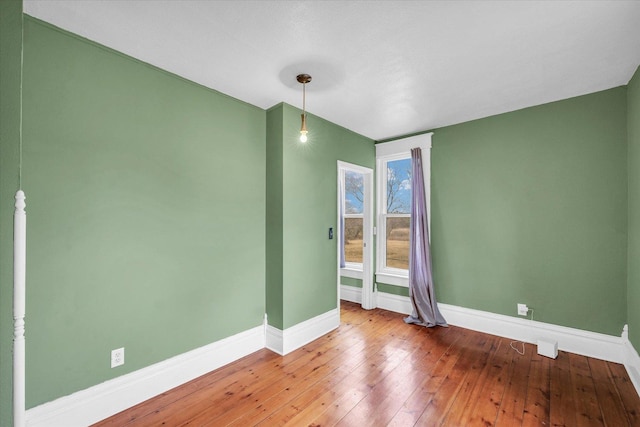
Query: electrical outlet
(523,310)
(117,357)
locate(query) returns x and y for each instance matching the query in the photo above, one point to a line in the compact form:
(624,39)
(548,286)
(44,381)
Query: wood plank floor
(374,370)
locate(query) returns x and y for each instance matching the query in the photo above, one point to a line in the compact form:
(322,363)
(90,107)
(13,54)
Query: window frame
(386,152)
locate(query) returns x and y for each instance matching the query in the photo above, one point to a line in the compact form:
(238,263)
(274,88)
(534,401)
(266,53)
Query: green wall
(350,281)
(392,289)
(309,209)
(633,135)
(531,207)
(146,210)
(10,70)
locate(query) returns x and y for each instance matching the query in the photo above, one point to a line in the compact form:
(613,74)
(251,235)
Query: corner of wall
(285,341)
(633,225)
(274,225)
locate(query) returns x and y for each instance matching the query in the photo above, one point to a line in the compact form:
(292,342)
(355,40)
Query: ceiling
(380,68)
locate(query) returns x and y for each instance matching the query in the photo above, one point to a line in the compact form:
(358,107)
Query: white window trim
(352,272)
(394,279)
(389,151)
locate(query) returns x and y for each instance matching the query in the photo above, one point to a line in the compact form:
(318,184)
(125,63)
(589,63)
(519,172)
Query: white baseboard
(396,303)
(284,342)
(103,400)
(631,360)
(274,339)
(351,293)
(592,344)
(586,343)
(96,403)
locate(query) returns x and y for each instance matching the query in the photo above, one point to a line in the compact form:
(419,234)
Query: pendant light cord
(304,98)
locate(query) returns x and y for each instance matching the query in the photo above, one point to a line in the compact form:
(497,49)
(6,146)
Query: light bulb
(303,128)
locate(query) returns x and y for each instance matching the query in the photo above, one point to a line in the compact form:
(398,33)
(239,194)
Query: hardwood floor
(374,370)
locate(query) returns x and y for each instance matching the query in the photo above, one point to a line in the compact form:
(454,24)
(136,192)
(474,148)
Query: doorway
(355,233)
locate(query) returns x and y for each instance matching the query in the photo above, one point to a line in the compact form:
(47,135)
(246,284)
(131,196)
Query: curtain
(421,291)
(341,214)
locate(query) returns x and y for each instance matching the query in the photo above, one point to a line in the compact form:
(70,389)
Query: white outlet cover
(117,357)
(523,309)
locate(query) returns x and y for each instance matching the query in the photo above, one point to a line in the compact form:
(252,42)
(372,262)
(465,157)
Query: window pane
(399,186)
(353,192)
(353,240)
(398,242)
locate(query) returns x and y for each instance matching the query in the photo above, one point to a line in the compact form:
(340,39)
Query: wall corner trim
(274,339)
(631,360)
(103,400)
(284,342)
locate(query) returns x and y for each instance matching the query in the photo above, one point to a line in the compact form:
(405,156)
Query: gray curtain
(341,225)
(421,292)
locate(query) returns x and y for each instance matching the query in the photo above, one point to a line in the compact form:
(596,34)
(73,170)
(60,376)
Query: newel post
(19,306)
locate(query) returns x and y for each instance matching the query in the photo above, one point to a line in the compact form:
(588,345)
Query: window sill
(392,279)
(351,272)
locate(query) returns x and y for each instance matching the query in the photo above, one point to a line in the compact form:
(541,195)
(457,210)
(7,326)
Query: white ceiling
(380,68)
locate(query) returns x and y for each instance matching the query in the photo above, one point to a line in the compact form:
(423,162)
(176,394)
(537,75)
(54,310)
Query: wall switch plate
(523,309)
(117,357)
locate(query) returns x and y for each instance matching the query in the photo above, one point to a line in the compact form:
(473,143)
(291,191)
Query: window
(396,213)
(353,218)
(394,206)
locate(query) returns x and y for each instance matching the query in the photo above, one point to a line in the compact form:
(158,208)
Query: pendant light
(304,79)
